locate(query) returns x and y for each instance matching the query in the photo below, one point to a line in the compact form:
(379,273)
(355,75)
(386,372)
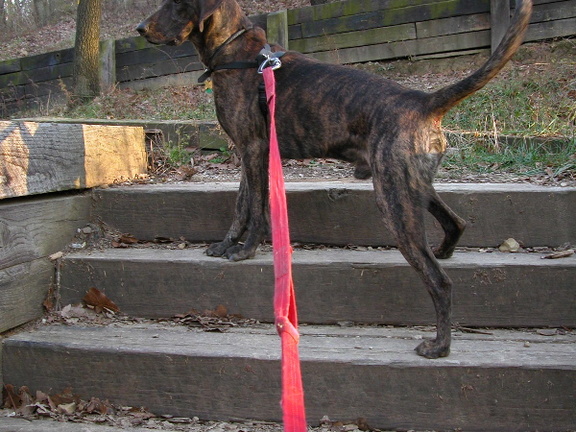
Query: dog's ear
(207,8)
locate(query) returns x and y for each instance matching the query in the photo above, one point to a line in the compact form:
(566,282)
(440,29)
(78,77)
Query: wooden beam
(38,158)
(277,28)
(500,20)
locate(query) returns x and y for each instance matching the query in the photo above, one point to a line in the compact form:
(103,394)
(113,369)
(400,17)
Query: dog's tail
(447,97)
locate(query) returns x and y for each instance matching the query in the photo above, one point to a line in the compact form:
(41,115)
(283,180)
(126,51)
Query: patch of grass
(527,158)
(535,104)
(171,103)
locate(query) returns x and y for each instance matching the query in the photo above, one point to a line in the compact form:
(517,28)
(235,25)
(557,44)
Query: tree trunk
(3,13)
(86,76)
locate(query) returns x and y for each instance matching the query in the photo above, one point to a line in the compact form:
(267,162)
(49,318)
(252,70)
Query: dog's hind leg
(452,224)
(402,203)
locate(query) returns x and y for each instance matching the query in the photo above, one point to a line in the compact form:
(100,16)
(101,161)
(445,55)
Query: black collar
(234,65)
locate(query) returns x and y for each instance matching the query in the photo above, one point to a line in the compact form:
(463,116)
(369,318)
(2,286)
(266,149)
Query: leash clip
(269,59)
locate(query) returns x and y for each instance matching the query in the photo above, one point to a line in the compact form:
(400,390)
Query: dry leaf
(116,244)
(11,399)
(127,239)
(69,408)
(98,300)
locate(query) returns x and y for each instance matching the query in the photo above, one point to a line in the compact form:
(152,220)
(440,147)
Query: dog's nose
(142,28)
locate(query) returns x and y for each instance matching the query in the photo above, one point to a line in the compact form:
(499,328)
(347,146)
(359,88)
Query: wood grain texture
(376,287)
(35,228)
(23,288)
(31,230)
(489,383)
(47,157)
(344,212)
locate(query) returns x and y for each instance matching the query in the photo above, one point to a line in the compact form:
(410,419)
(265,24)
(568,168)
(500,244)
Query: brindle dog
(390,132)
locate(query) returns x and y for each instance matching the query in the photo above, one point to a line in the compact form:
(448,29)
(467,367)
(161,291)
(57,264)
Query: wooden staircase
(363,310)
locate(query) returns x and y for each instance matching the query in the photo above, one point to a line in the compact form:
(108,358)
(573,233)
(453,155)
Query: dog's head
(173,23)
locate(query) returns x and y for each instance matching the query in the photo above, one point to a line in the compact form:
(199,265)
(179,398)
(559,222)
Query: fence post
(499,20)
(107,64)
(277,28)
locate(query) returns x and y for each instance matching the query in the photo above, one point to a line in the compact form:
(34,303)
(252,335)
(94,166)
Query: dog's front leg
(251,209)
(239,223)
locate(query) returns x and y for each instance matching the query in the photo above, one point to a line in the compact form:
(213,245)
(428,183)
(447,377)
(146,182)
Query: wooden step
(332,285)
(503,381)
(343,212)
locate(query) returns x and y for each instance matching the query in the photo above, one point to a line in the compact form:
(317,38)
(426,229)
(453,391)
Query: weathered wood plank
(179,79)
(453,25)
(376,287)
(354,39)
(500,20)
(48,59)
(47,157)
(277,28)
(383,18)
(10,66)
(345,8)
(551,29)
(195,133)
(162,68)
(156,54)
(23,288)
(39,226)
(408,48)
(554,11)
(31,230)
(329,212)
(489,383)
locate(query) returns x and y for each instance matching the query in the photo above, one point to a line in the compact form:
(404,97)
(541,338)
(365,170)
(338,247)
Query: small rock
(56,256)
(509,245)
(87,230)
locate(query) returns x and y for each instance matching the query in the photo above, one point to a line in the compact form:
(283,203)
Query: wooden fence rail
(349,31)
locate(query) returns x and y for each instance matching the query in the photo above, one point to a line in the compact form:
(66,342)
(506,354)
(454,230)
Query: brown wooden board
(48,157)
(558,28)
(383,18)
(345,8)
(37,227)
(31,230)
(167,67)
(154,54)
(554,11)
(344,213)
(9,66)
(23,288)
(408,48)
(453,25)
(48,59)
(373,287)
(354,39)
(510,381)
(43,74)
(53,89)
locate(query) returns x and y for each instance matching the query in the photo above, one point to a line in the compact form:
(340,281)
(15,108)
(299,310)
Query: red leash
(284,299)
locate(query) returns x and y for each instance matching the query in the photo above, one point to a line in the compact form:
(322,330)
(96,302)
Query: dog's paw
(217,249)
(432,350)
(239,253)
(442,253)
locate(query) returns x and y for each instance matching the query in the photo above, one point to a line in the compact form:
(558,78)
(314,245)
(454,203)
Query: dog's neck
(219,30)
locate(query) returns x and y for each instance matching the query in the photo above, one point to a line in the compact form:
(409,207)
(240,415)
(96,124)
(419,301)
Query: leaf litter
(67,406)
